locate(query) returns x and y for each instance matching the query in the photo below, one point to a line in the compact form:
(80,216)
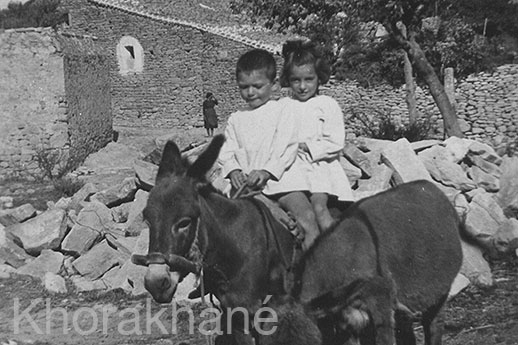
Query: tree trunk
(409,82)
(423,67)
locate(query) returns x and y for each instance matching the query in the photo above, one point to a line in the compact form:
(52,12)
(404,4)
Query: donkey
(241,248)
(391,255)
(390,261)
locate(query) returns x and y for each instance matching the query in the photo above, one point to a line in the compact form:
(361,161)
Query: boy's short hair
(257,59)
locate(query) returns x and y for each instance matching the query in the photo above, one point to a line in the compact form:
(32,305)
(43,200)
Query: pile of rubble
(89,238)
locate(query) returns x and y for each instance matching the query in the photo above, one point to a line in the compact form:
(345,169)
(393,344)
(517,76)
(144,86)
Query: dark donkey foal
(240,247)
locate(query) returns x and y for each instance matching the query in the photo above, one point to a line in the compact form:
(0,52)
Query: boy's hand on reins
(237,178)
(257,179)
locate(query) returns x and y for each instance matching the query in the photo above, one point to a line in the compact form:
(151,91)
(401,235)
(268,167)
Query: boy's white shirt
(263,138)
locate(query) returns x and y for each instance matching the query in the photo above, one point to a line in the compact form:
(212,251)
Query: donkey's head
(172,213)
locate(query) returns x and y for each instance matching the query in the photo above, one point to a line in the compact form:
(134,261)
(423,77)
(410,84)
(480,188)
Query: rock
(353,173)
(484,180)
(97,261)
(130,277)
(54,283)
(3,238)
(47,261)
(118,194)
(460,283)
(13,254)
(457,148)
(358,158)
(135,223)
(379,181)
(407,167)
(6,202)
(474,266)
(6,271)
(146,173)
(19,214)
(45,231)
(370,144)
(507,196)
(120,213)
(89,227)
(506,238)
(83,284)
(423,144)
(486,166)
(443,170)
(483,220)
(82,195)
(485,152)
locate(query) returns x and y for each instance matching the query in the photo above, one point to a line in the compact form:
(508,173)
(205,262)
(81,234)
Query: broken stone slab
(407,167)
(13,254)
(486,166)
(45,231)
(379,181)
(483,220)
(117,194)
(443,170)
(91,224)
(97,261)
(135,223)
(54,283)
(507,196)
(130,277)
(358,158)
(47,261)
(352,172)
(506,238)
(6,271)
(484,151)
(120,213)
(457,148)
(459,283)
(146,174)
(370,144)
(83,284)
(83,194)
(18,214)
(424,144)
(484,180)
(474,266)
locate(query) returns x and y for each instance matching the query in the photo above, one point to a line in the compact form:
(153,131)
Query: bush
(66,187)
(383,126)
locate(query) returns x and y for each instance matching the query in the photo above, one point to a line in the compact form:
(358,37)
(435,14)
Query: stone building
(165,55)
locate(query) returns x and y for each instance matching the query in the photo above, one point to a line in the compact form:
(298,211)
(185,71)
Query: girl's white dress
(321,127)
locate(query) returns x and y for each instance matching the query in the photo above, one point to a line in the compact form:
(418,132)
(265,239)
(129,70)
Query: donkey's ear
(206,160)
(171,162)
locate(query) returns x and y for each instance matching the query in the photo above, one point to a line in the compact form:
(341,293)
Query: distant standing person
(210,118)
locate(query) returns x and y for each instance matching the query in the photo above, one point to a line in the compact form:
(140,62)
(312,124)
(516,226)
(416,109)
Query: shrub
(67,186)
(383,126)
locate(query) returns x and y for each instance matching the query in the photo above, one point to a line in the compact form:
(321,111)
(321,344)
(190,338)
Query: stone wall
(87,83)
(32,99)
(486,103)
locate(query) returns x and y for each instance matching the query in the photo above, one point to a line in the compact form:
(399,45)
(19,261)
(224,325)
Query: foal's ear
(171,161)
(206,160)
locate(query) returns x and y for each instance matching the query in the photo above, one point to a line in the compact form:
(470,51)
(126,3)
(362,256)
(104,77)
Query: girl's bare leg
(297,203)
(323,216)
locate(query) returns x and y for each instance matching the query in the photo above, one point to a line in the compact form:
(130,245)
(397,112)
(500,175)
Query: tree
(33,13)
(455,43)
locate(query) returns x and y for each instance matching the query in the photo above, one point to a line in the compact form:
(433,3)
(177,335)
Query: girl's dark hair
(299,52)
(257,59)
(208,94)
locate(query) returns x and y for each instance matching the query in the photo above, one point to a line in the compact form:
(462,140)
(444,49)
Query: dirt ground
(29,315)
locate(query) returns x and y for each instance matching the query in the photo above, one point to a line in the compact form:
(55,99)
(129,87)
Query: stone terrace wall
(487,104)
(32,94)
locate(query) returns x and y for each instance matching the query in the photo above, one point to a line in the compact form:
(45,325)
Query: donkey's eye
(183,223)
